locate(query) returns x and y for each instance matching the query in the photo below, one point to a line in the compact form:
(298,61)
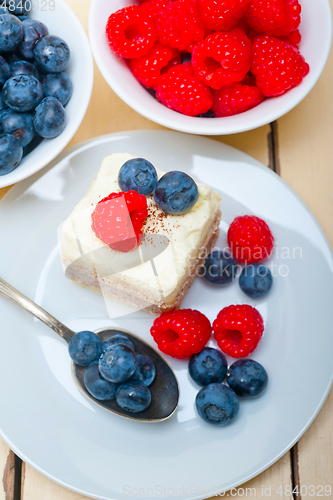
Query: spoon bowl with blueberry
(113,368)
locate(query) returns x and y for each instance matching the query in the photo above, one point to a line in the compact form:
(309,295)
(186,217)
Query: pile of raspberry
(237,329)
(211,57)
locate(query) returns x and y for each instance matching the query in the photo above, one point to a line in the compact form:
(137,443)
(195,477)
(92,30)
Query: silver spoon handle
(21,300)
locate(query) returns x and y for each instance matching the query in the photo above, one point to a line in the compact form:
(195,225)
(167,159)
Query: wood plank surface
(305,152)
(306,161)
(7,467)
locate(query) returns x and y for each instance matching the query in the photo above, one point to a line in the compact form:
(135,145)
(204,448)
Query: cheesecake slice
(157,274)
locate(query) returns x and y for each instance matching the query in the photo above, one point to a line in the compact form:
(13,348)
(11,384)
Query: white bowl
(61,22)
(316,29)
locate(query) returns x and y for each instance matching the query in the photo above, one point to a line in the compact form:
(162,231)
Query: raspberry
(222,58)
(129,34)
(252,35)
(179,25)
(277,65)
(182,91)
(236,99)
(242,24)
(151,8)
(238,330)
(276,17)
(148,69)
(118,219)
(294,37)
(181,333)
(222,15)
(250,239)
(249,80)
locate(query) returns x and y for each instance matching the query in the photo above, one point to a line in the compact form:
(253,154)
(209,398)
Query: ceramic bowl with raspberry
(211,67)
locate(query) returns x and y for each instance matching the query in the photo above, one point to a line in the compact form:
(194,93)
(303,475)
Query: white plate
(52,426)
(61,22)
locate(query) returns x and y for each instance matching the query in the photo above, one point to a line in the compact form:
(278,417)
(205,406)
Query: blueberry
(49,118)
(12,57)
(118,338)
(256,280)
(18,7)
(2,104)
(117,363)
(247,378)
(33,32)
(219,268)
(176,193)
(10,153)
(33,145)
(11,32)
(97,386)
(58,85)
(4,71)
(23,68)
(3,10)
(133,397)
(42,77)
(22,93)
(208,366)
(23,18)
(84,348)
(217,404)
(51,54)
(145,370)
(138,175)
(19,125)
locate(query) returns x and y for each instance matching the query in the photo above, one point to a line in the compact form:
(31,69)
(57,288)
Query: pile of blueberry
(175,193)
(33,86)
(216,402)
(114,370)
(220,269)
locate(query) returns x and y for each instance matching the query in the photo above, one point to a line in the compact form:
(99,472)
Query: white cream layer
(184,233)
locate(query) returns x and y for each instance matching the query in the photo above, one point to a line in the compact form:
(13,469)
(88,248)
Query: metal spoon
(164,389)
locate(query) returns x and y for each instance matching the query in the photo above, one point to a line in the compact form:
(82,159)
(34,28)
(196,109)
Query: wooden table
(299,147)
